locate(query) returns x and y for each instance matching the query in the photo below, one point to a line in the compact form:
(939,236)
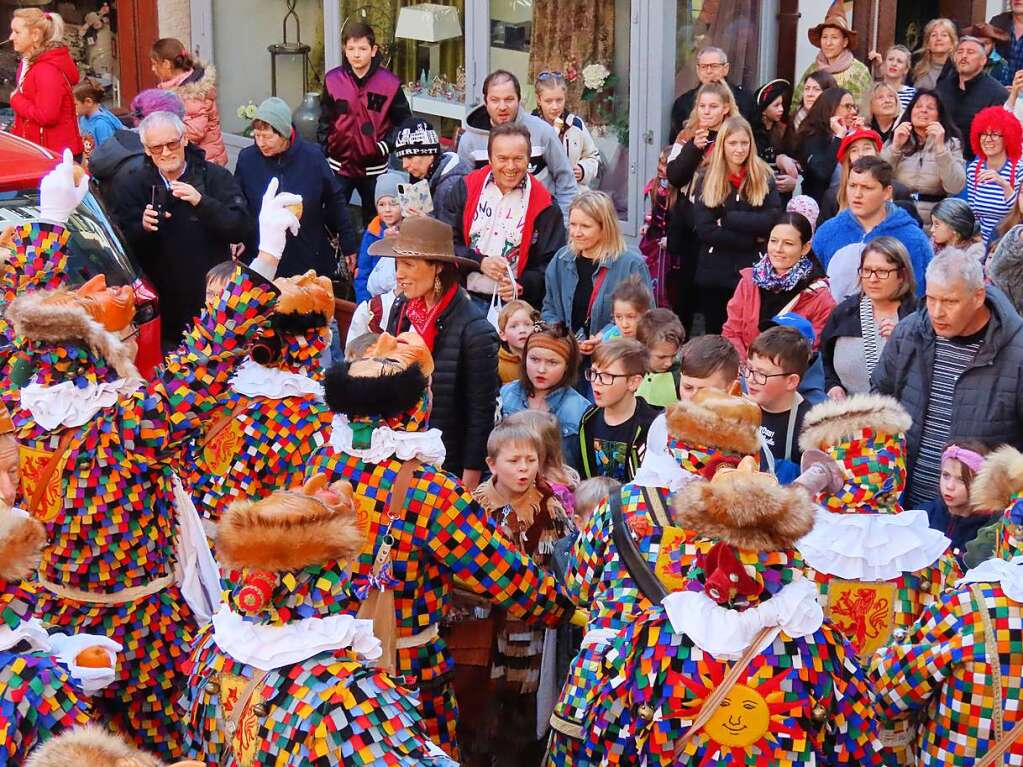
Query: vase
(307,117)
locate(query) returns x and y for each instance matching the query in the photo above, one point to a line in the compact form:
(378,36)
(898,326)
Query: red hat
(856,135)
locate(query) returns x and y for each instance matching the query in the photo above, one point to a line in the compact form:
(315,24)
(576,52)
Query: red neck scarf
(736,179)
(423,319)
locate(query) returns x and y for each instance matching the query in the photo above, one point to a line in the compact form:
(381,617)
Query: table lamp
(429,23)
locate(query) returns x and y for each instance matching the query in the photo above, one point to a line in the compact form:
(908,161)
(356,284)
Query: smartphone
(158,199)
(415,198)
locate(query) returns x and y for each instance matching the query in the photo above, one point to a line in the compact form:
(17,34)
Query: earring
(438,287)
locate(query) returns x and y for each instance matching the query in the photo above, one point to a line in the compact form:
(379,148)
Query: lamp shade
(428,22)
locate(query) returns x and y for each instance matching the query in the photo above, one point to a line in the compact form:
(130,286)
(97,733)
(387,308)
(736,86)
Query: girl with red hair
(993,176)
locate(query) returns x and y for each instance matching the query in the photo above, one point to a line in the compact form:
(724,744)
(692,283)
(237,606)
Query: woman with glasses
(860,326)
(833,117)
(993,177)
(551,99)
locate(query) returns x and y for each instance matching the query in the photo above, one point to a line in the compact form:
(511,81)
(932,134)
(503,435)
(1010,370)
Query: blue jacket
(562,277)
(565,404)
(375,231)
(100,126)
(302,169)
(844,229)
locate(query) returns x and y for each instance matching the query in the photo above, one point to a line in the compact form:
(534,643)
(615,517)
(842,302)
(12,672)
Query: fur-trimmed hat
(998,486)
(835,421)
(716,420)
(93,746)
(21,540)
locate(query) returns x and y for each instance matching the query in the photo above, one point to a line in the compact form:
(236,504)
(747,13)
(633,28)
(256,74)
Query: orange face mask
(390,355)
(113,308)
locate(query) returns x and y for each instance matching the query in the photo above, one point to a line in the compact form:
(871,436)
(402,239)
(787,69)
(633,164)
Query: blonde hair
(544,427)
(867,107)
(509,432)
(550,81)
(601,209)
(592,492)
(49,23)
(723,92)
(757,182)
(923,66)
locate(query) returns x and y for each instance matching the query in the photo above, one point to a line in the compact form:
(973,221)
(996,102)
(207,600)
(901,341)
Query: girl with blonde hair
(935,63)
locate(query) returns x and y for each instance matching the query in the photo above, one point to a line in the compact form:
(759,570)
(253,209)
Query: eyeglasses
(550,76)
(876,274)
(170,146)
(990,136)
(755,376)
(712,66)
(602,378)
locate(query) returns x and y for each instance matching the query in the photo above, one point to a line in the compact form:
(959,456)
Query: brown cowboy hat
(836,19)
(425,238)
(987,31)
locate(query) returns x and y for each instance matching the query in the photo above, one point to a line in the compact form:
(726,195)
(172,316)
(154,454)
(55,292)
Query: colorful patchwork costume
(877,566)
(960,667)
(701,432)
(273,417)
(416,548)
(278,679)
(738,667)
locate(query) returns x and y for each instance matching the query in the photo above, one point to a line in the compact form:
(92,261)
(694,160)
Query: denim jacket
(565,404)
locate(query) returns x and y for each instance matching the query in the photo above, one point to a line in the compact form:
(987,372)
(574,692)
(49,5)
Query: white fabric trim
(726,633)
(272,647)
(1007,573)
(386,442)
(255,380)
(195,571)
(659,468)
(65,404)
(871,547)
(30,631)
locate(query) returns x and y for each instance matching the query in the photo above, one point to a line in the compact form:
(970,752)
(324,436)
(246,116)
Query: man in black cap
(417,145)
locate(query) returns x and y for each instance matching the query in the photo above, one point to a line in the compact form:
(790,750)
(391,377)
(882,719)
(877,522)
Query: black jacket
(112,160)
(641,420)
(190,242)
(684,104)
(464,382)
(732,236)
(962,105)
(682,172)
(817,155)
(844,322)
(988,404)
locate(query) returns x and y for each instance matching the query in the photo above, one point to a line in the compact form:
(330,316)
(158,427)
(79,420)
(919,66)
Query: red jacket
(44,107)
(743,324)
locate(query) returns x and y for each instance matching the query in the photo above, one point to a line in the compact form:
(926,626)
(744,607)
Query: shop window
(732,25)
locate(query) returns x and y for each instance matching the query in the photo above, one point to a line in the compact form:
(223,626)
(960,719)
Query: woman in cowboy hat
(463,343)
(836,38)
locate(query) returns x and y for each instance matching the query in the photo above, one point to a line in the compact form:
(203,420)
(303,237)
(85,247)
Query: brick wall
(174,20)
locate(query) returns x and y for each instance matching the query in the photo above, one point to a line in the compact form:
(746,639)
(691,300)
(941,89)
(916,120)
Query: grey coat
(988,403)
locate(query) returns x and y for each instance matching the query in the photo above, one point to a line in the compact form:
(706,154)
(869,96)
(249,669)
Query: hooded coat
(198,90)
(43,104)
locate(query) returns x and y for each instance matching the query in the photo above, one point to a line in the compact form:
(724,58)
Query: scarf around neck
(843,63)
(424,319)
(766,278)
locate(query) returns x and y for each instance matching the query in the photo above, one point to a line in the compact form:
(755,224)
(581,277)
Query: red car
(95,246)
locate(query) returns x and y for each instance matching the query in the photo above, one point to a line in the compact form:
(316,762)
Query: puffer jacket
(44,106)
(929,172)
(464,382)
(113,161)
(444,177)
(988,400)
(198,90)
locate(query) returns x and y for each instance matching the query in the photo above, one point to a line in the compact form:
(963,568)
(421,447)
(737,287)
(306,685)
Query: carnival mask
(390,356)
(111,307)
(305,294)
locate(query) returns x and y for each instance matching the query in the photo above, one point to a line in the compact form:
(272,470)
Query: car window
(94,247)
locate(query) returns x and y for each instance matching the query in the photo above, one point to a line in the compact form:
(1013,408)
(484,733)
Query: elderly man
(711,67)
(956,365)
(972,90)
(506,221)
(180,214)
(502,103)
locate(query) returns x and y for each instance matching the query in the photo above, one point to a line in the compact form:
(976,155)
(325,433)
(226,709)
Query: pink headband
(973,461)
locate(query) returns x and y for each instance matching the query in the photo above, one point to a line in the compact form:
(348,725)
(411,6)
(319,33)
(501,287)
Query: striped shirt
(988,200)
(906,94)
(950,360)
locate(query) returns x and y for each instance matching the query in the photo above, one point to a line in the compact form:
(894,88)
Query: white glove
(92,680)
(58,195)
(275,220)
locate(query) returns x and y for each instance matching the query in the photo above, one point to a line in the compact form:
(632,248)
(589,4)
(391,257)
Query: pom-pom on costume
(737,667)
(417,544)
(711,428)
(877,566)
(273,417)
(278,680)
(958,668)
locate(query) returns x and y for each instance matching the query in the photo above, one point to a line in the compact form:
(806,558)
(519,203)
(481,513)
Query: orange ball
(93,657)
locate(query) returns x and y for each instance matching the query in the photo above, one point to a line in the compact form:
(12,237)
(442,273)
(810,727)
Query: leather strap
(44,478)
(231,725)
(648,583)
(655,504)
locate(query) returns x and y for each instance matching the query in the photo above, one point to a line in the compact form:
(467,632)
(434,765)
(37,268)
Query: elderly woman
(953,225)
(582,275)
(43,104)
(836,39)
(860,326)
(464,345)
(302,170)
(882,109)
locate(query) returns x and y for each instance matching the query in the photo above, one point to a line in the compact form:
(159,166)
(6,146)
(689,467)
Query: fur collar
(203,87)
(999,479)
(694,424)
(89,746)
(21,541)
(835,421)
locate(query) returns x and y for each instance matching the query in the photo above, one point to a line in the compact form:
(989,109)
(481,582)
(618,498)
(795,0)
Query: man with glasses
(180,214)
(711,67)
(972,90)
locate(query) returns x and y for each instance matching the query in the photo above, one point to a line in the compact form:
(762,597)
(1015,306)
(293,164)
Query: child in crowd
(612,433)
(559,476)
(550,360)
(94,119)
(583,155)
(653,243)
(951,512)
(629,301)
(708,362)
(661,332)
(385,224)
(216,281)
(514,324)
(777,359)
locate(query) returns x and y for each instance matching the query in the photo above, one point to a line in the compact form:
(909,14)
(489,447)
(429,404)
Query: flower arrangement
(247,112)
(611,109)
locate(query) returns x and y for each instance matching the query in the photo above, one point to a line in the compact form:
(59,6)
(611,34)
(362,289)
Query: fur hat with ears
(92,746)
(998,487)
(717,421)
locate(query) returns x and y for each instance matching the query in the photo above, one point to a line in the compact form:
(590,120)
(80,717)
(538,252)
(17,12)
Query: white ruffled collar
(871,547)
(726,633)
(1007,573)
(67,405)
(255,380)
(271,647)
(659,468)
(386,442)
